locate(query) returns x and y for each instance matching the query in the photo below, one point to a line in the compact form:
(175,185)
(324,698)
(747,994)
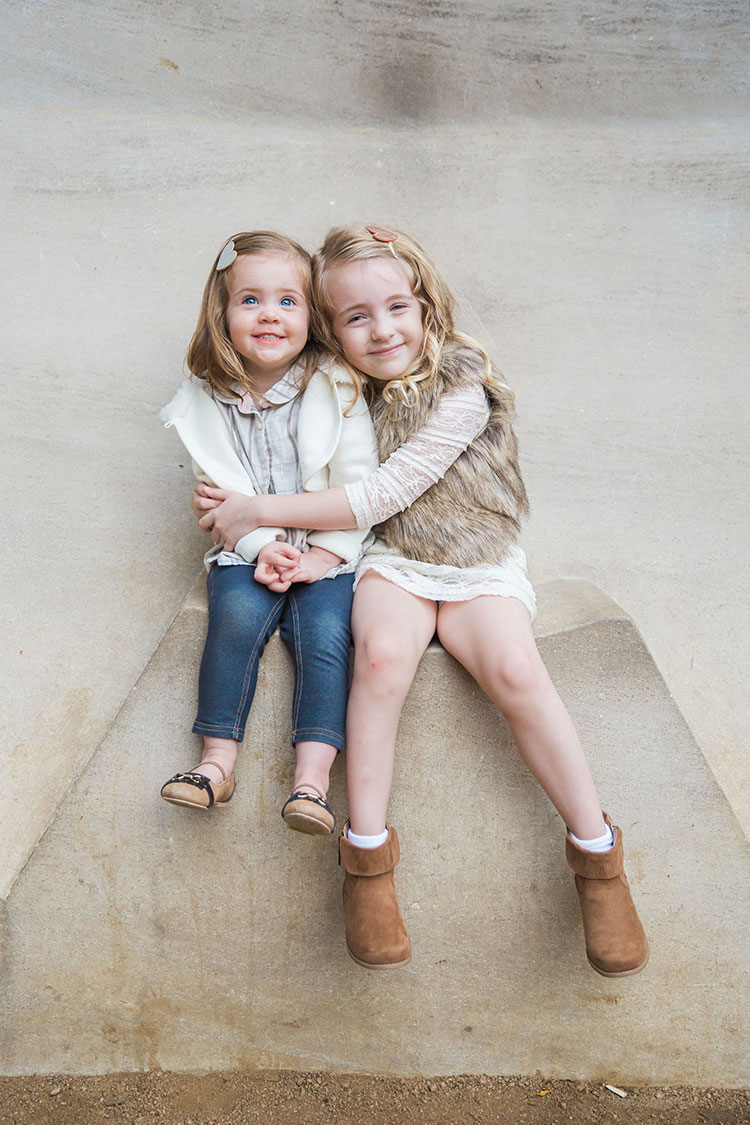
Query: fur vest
(473,514)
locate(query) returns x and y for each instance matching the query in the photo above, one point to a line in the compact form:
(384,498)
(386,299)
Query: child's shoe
(616,945)
(309,812)
(376,936)
(196,791)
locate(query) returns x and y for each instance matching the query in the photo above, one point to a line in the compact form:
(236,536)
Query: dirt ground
(291,1098)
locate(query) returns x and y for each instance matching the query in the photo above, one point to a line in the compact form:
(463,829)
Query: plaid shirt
(264,435)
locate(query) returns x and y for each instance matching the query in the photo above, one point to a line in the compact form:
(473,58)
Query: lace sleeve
(422,460)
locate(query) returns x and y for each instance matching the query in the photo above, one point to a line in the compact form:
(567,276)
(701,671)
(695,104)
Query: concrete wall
(576,170)
(143,936)
(580,174)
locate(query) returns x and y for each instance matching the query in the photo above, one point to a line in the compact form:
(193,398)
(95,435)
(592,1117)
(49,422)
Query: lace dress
(410,471)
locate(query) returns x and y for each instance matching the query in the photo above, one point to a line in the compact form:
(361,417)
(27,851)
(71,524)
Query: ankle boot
(376,936)
(616,945)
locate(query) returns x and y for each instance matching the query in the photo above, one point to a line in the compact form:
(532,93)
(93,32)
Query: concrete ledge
(141,936)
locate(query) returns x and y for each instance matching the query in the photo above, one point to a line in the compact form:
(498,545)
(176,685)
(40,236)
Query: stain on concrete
(357,64)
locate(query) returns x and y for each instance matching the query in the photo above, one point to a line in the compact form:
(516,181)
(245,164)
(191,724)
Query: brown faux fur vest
(473,514)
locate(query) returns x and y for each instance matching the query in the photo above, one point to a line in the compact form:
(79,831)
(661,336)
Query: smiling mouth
(268,337)
(387,351)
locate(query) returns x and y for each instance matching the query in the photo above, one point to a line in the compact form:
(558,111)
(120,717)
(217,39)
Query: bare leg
(223,750)
(391,629)
(492,638)
(314,761)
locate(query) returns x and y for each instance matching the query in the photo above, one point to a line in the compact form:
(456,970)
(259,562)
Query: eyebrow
(363,304)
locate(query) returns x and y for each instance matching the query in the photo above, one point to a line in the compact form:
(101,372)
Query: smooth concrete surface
(143,936)
(580,173)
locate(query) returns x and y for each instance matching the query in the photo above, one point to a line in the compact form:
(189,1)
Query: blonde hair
(356,243)
(211,355)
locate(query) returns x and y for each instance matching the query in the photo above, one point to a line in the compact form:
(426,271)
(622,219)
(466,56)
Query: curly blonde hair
(355,242)
(211,355)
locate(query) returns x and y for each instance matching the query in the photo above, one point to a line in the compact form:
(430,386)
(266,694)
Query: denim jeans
(315,626)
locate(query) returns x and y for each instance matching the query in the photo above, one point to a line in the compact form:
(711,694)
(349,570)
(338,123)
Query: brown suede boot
(616,945)
(376,936)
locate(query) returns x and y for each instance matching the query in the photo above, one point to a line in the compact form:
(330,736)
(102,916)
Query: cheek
(418,329)
(348,342)
(232,328)
(297,321)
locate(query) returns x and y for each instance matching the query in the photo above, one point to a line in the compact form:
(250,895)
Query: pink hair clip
(226,257)
(381,234)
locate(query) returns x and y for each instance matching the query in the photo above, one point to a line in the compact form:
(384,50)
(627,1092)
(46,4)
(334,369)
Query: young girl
(449,501)
(264,415)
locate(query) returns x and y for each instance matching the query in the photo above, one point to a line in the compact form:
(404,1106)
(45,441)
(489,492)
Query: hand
(235,516)
(200,502)
(313,565)
(283,556)
(274,560)
(269,576)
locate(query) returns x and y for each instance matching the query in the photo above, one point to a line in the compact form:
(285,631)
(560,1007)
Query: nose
(381,328)
(268,312)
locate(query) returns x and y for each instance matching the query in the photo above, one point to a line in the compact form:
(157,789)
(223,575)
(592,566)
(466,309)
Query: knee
(517,675)
(383,661)
(237,618)
(327,638)
(327,629)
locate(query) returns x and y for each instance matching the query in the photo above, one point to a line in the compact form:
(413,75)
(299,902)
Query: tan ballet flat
(196,791)
(310,813)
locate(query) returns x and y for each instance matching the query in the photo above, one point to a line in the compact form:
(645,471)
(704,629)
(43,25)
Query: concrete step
(143,936)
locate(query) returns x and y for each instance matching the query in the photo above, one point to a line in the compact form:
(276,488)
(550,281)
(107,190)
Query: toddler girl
(265,414)
(449,501)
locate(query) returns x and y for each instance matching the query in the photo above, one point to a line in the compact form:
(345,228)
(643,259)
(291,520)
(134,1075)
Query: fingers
(268,576)
(287,573)
(261,574)
(279,587)
(207,521)
(200,505)
(280,555)
(200,501)
(265,574)
(287,551)
(272,582)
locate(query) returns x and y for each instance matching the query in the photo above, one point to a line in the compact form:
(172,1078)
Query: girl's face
(267,314)
(375,316)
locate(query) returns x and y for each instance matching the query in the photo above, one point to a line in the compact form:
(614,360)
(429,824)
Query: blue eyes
(285,302)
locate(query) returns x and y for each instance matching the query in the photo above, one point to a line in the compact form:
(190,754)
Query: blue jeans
(314,625)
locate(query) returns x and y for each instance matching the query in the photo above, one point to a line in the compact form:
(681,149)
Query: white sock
(367,841)
(603,843)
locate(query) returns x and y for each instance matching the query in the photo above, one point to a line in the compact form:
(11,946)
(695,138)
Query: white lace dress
(410,471)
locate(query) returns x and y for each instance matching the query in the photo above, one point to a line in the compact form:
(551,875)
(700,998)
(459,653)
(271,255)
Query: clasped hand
(227,516)
(280,564)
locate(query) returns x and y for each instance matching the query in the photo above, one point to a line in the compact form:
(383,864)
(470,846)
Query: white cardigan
(334,449)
